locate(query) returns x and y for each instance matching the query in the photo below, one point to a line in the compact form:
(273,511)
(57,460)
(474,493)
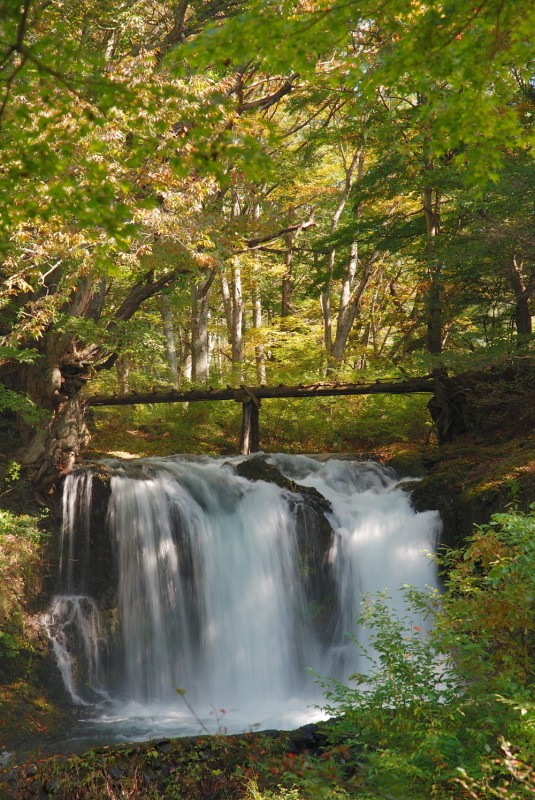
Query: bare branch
(263,103)
(252,244)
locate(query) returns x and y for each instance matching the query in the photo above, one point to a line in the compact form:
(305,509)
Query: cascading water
(225,588)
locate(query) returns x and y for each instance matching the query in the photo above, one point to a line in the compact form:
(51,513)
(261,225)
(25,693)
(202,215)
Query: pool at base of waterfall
(231,591)
(114,724)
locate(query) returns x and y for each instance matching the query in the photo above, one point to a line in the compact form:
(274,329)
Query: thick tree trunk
(48,441)
(48,448)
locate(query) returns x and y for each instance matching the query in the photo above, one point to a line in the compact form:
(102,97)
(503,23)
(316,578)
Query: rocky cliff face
(469,480)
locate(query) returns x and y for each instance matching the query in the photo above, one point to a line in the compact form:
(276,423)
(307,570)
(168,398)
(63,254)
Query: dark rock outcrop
(314,536)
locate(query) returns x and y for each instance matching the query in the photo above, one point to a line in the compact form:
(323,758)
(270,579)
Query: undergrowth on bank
(448,713)
(441,714)
(20,540)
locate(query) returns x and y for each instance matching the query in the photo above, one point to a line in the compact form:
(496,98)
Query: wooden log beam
(241,394)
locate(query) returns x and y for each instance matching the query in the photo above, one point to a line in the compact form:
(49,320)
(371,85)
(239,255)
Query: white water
(211,598)
(73,624)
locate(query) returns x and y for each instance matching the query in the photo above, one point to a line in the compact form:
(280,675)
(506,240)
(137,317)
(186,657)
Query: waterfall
(225,588)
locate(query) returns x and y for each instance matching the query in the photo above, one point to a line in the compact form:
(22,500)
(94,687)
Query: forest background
(217,192)
(221,192)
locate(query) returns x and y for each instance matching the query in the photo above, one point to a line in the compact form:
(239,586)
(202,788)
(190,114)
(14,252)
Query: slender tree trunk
(123,374)
(227,302)
(260,357)
(237,316)
(199,336)
(287,279)
(327,320)
(351,303)
(187,366)
(357,162)
(523,293)
(169,332)
(434,313)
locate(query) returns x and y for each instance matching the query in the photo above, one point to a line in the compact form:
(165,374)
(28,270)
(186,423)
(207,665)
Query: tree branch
(252,244)
(142,291)
(263,103)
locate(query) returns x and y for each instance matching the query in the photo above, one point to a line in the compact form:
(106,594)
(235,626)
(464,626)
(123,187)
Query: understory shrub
(448,712)
(19,560)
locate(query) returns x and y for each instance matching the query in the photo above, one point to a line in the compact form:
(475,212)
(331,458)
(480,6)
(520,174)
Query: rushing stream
(225,588)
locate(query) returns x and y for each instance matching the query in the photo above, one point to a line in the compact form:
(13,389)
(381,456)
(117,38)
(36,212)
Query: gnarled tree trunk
(48,440)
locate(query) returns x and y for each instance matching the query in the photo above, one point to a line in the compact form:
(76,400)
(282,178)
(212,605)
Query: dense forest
(255,194)
(226,193)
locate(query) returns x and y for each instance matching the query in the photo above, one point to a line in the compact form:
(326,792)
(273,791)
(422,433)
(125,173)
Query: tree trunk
(49,448)
(237,316)
(227,302)
(169,332)
(351,303)
(434,316)
(523,293)
(123,374)
(287,278)
(260,357)
(48,445)
(327,320)
(199,335)
(357,163)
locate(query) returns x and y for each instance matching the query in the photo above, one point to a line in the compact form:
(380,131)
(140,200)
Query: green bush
(19,567)
(448,713)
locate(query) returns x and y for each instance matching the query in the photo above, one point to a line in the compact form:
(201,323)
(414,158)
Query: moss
(27,715)
(408,463)
(470,479)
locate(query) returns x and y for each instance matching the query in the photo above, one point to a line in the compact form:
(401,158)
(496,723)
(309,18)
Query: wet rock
(309,737)
(5,758)
(116,772)
(314,539)
(258,469)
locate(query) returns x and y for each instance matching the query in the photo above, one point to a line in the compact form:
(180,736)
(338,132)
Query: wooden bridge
(251,396)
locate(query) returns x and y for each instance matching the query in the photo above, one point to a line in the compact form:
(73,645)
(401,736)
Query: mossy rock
(258,469)
(407,463)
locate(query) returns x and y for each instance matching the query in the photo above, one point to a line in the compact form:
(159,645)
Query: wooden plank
(412,386)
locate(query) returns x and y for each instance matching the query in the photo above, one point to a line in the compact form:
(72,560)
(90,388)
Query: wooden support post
(245,441)
(255,428)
